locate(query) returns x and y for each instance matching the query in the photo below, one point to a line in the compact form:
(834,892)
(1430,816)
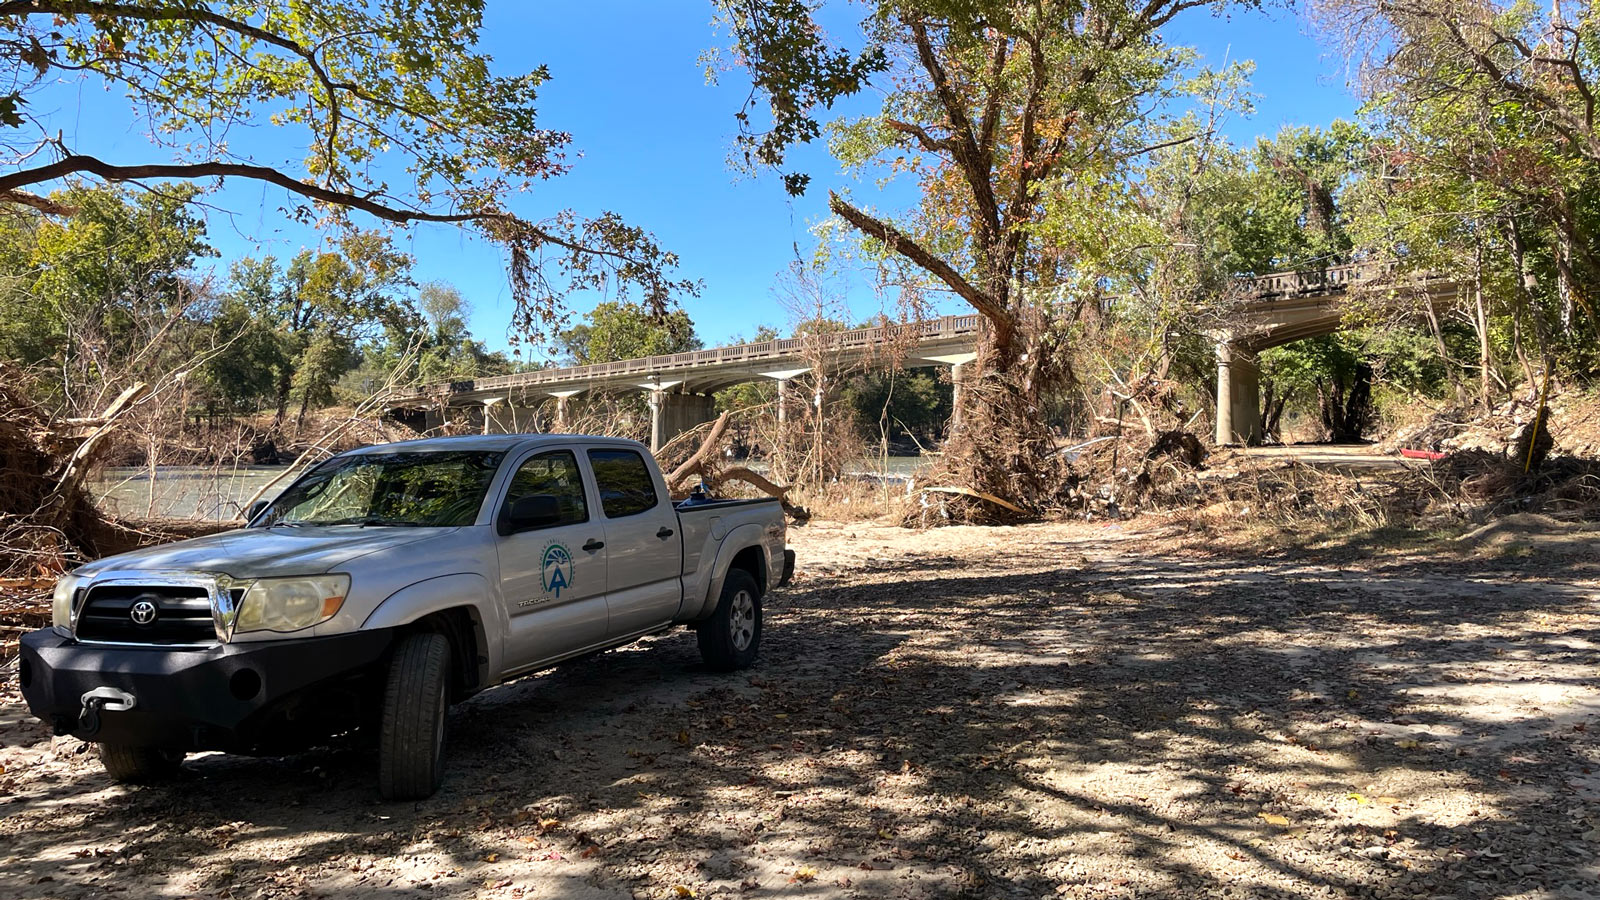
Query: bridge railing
(1342,276)
(947,326)
(1265,287)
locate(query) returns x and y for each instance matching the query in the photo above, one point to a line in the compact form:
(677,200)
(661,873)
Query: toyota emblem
(143,612)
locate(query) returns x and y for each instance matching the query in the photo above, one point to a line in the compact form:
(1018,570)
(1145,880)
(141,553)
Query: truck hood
(264,552)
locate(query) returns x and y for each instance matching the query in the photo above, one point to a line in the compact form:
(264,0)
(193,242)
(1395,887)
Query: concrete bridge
(1273,310)
(1280,309)
(681,385)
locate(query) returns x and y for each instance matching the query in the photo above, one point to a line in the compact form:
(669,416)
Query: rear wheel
(731,638)
(415,700)
(139,765)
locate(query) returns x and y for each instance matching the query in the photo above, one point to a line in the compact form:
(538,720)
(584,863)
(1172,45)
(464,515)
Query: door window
(555,473)
(626,485)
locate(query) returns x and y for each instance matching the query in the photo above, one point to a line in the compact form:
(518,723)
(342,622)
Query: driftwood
(59,503)
(699,464)
(696,463)
(760,482)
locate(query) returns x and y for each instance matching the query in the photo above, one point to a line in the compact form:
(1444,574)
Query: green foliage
(322,307)
(900,403)
(800,72)
(399,113)
(87,294)
(110,294)
(619,330)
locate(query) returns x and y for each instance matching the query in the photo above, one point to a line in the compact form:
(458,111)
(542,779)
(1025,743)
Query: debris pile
(1576,433)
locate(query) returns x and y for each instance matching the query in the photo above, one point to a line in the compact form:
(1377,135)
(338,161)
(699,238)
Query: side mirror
(535,511)
(256,509)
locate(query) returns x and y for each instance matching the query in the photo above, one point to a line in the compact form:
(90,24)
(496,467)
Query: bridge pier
(673,414)
(501,416)
(783,377)
(561,424)
(1238,395)
(960,367)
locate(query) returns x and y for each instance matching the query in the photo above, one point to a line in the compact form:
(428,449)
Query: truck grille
(147,614)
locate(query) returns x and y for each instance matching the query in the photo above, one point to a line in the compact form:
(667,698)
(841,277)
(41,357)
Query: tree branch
(903,244)
(76,163)
(196,14)
(925,140)
(43,204)
(991,109)
(974,165)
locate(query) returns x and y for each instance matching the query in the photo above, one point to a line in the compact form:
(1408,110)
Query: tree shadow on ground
(1137,726)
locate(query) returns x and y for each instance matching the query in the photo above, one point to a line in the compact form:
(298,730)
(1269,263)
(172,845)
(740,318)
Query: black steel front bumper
(227,697)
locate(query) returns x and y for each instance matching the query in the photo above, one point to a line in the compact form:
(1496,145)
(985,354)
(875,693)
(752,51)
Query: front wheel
(415,700)
(139,765)
(731,638)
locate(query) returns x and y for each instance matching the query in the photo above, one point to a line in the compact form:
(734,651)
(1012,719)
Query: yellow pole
(1538,419)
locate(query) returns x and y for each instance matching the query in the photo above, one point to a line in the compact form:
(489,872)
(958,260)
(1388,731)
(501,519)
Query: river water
(218,494)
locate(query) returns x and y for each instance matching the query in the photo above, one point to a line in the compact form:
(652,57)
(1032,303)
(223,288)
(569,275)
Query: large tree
(99,297)
(998,108)
(615,331)
(401,116)
(1487,112)
(322,306)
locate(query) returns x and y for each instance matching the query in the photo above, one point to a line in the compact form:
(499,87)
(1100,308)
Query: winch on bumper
(223,697)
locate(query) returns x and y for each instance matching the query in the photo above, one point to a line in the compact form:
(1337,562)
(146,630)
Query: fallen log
(760,482)
(696,463)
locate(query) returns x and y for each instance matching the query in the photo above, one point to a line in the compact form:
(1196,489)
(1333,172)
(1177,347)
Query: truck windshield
(421,489)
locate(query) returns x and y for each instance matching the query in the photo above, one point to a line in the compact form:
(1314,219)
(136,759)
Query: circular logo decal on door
(555,569)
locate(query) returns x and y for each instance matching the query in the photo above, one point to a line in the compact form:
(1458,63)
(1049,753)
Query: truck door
(553,577)
(643,589)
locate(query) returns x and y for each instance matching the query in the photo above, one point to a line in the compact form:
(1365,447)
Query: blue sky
(652,140)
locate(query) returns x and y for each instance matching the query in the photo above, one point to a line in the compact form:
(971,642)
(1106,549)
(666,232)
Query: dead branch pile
(45,516)
(1478,485)
(1122,475)
(48,521)
(1576,415)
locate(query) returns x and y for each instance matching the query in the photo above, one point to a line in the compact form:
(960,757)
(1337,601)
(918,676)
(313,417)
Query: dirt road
(1054,710)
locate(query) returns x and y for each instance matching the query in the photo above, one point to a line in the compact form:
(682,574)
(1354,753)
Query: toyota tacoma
(383,586)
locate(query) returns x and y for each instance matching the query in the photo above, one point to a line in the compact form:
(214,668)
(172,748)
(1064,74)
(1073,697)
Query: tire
(139,765)
(731,638)
(411,735)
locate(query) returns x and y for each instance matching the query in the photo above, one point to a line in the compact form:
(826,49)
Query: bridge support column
(501,416)
(673,414)
(782,377)
(1238,396)
(562,414)
(492,418)
(960,368)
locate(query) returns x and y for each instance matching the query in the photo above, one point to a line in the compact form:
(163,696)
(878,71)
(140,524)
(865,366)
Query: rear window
(623,477)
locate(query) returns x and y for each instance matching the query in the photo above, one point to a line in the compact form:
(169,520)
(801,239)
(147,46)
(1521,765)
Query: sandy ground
(1053,710)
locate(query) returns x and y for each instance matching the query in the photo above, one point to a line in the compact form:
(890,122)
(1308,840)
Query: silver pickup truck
(386,584)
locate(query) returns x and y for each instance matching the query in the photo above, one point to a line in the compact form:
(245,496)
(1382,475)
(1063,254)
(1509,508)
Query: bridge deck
(1288,304)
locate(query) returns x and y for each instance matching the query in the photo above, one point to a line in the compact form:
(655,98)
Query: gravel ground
(1052,710)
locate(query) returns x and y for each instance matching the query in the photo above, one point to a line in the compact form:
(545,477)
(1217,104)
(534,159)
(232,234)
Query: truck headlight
(290,604)
(61,602)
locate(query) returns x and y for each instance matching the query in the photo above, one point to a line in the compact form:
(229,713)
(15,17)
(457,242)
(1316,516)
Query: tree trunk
(285,383)
(1480,324)
(1526,304)
(1272,405)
